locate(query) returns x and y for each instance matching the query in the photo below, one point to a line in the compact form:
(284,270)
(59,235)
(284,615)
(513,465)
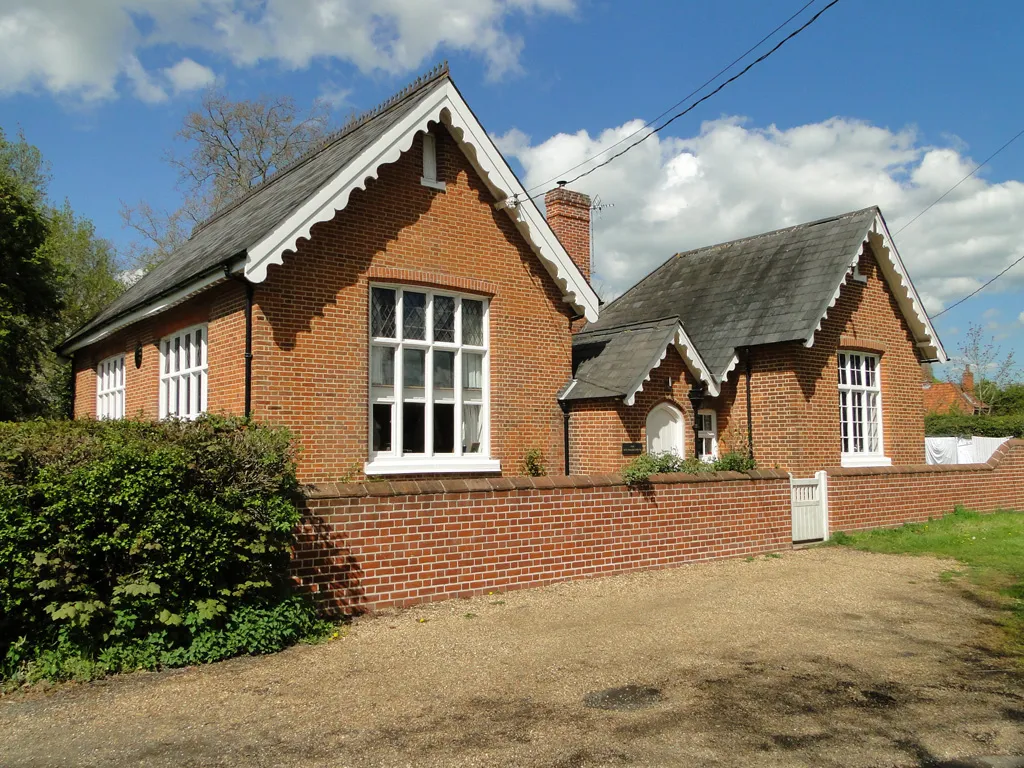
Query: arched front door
(665,430)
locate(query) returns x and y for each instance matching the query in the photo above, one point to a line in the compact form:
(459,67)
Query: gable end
(444,105)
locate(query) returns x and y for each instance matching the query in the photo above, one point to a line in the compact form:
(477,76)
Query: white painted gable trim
(900,284)
(692,359)
(446,105)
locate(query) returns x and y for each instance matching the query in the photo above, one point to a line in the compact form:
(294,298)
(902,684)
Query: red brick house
(801,347)
(397,301)
(947,397)
(380,297)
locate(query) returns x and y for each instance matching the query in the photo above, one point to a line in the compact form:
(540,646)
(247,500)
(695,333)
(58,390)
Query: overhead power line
(943,196)
(974,293)
(704,98)
(692,93)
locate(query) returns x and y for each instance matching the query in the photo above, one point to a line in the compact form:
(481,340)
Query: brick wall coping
(918,469)
(489,484)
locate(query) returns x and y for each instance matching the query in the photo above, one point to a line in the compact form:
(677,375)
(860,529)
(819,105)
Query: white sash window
(860,409)
(110,388)
(429,368)
(183,367)
(707,435)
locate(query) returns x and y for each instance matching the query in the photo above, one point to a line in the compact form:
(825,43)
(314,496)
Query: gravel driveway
(821,657)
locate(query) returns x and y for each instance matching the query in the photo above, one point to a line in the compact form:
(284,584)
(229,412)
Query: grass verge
(990,547)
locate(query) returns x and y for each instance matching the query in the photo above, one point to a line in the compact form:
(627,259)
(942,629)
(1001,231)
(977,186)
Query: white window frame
(429,177)
(110,388)
(708,434)
(189,401)
(395,461)
(855,369)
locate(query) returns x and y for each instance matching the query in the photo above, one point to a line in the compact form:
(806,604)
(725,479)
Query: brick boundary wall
(876,497)
(368,546)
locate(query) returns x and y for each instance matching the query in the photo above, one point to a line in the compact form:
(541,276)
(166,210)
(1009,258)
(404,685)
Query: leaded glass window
(428,374)
(382,312)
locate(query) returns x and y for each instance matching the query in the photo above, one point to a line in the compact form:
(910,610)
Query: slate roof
(614,363)
(764,289)
(227,235)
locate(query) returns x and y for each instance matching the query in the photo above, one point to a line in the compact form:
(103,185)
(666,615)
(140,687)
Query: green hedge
(127,545)
(957,425)
(643,466)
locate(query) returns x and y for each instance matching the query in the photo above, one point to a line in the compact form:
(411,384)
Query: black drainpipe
(250,289)
(74,381)
(249,292)
(564,405)
(750,411)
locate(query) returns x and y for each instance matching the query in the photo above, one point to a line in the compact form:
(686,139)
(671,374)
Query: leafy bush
(958,425)
(533,463)
(643,466)
(127,545)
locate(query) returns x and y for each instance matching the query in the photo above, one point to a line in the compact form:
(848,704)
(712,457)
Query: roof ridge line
(435,73)
(824,220)
(683,254)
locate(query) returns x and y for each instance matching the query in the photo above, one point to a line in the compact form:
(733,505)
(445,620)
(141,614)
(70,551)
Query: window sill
(433,465)
(433,184)
(865,460)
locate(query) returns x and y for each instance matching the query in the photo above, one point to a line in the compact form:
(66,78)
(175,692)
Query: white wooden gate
(810,507)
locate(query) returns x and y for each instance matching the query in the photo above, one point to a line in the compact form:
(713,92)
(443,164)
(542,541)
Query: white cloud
(1020,318)
(731,180)
(334,95)
(84,49)
(188,75)
(144,85)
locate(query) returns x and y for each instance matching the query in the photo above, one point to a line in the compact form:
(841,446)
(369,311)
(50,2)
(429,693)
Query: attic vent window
(430,178)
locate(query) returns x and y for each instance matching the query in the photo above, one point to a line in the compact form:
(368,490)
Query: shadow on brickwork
(328,570)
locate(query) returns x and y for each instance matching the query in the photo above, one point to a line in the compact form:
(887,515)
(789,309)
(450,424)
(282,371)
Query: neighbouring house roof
(769,288)
(260,228)
(945,396)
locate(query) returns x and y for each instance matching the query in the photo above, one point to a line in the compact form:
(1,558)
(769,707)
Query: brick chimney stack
(967,382)
(569,217)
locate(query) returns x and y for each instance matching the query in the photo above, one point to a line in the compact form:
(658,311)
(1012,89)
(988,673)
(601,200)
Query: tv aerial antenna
(597,206)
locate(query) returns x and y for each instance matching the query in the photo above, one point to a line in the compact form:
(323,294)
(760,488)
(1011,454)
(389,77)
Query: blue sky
(877,102)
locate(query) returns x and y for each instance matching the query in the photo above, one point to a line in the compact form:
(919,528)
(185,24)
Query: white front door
(665,430)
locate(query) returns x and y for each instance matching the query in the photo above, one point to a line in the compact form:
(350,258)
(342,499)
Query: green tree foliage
(24,164)
(87,280)
(127,545)
(965,425)
(81,276)
(29,300)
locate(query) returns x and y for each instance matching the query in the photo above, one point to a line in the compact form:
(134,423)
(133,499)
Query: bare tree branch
(225,149)
(993,370)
